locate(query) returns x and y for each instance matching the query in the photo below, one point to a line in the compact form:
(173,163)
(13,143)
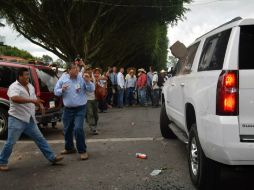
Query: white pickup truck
(208,103)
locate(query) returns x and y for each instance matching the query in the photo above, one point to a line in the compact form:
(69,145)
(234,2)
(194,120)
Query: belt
(76,107)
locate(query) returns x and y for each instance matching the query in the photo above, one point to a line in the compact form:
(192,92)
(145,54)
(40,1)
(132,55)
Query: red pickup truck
(43,79)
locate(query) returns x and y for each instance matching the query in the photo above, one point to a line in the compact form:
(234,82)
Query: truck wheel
(204,173)
(164,122)
(3,123)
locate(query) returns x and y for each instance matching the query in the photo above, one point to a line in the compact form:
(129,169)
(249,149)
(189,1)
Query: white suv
(209,101)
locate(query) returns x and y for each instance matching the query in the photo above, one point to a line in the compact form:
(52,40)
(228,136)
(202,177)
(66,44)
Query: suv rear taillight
(227,93)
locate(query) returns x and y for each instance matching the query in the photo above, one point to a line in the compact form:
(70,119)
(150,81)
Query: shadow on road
(240,178)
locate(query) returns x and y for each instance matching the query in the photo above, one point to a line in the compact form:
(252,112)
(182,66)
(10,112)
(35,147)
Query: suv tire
(164,122)
(3,123)
(204,173)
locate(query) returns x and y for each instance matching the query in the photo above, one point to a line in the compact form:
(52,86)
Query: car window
(246,55)
(47,79)
(7,76)
(213,52)
(177,68)
(188,62)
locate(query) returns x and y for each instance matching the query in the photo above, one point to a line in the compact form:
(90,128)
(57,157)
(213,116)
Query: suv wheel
(3,122)
(204,173)
(164,122)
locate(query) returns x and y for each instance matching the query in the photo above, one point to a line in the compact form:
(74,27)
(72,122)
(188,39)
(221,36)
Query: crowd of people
(84,91)
(114,89)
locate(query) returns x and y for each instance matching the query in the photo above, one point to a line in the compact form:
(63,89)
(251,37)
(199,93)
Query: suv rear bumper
(49,117)
(222,141)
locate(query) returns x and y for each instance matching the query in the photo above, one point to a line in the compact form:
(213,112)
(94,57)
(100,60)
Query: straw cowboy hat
(142,70)
(131,69)
(97,69)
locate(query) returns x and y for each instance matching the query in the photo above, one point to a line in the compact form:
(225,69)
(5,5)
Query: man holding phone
(72,87)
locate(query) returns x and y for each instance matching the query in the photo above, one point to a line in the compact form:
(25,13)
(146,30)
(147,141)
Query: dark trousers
(109,96)
(73,120)
(130,97)
(149,94)
(92,113)
(115,93)
(120,95)
(103,104)
(156,97)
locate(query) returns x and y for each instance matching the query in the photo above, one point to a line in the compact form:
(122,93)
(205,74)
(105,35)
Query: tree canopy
(104,32)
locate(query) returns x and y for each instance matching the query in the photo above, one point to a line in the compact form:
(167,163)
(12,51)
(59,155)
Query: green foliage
(13,51)
(46,59)
(104,32)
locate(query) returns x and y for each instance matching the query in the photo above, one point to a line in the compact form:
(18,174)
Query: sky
(203,16)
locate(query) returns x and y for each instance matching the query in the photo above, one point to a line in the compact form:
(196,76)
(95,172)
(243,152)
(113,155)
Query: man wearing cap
(141,86)
(72,87)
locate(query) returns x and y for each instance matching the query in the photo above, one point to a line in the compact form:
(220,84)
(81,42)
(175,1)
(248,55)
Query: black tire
(204,173)
(3,123)
(164,122)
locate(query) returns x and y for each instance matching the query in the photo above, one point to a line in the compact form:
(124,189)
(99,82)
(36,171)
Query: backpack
(100,91)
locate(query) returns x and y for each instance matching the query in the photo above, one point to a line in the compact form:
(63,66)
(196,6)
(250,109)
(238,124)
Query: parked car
(43,79)
(208,103)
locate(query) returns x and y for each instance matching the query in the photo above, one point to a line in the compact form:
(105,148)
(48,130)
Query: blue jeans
(156,97)
(142,96)
(120,96)
(130,95)
(73,120)
(15,128)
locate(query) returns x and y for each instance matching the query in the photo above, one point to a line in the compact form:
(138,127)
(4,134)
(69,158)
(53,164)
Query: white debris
(155,172)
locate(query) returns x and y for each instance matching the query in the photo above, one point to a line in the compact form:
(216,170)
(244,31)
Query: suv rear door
(246,83)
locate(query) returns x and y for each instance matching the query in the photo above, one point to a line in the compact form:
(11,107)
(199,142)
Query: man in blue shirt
(113,79)
(72,87)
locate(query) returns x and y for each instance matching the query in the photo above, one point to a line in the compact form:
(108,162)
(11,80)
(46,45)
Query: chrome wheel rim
(194,157)
(2,123)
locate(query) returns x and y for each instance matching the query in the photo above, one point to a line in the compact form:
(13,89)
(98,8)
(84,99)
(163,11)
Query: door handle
(182,84)
(173,84)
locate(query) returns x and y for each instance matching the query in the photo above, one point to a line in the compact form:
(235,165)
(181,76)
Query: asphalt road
(112,164)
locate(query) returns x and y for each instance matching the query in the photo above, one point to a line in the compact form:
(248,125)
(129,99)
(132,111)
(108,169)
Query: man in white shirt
(155,90)
(120,87)
(22,119)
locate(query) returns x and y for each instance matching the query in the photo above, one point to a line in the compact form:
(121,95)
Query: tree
(47,59)
(103,32)
(13,51)
(59,63)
